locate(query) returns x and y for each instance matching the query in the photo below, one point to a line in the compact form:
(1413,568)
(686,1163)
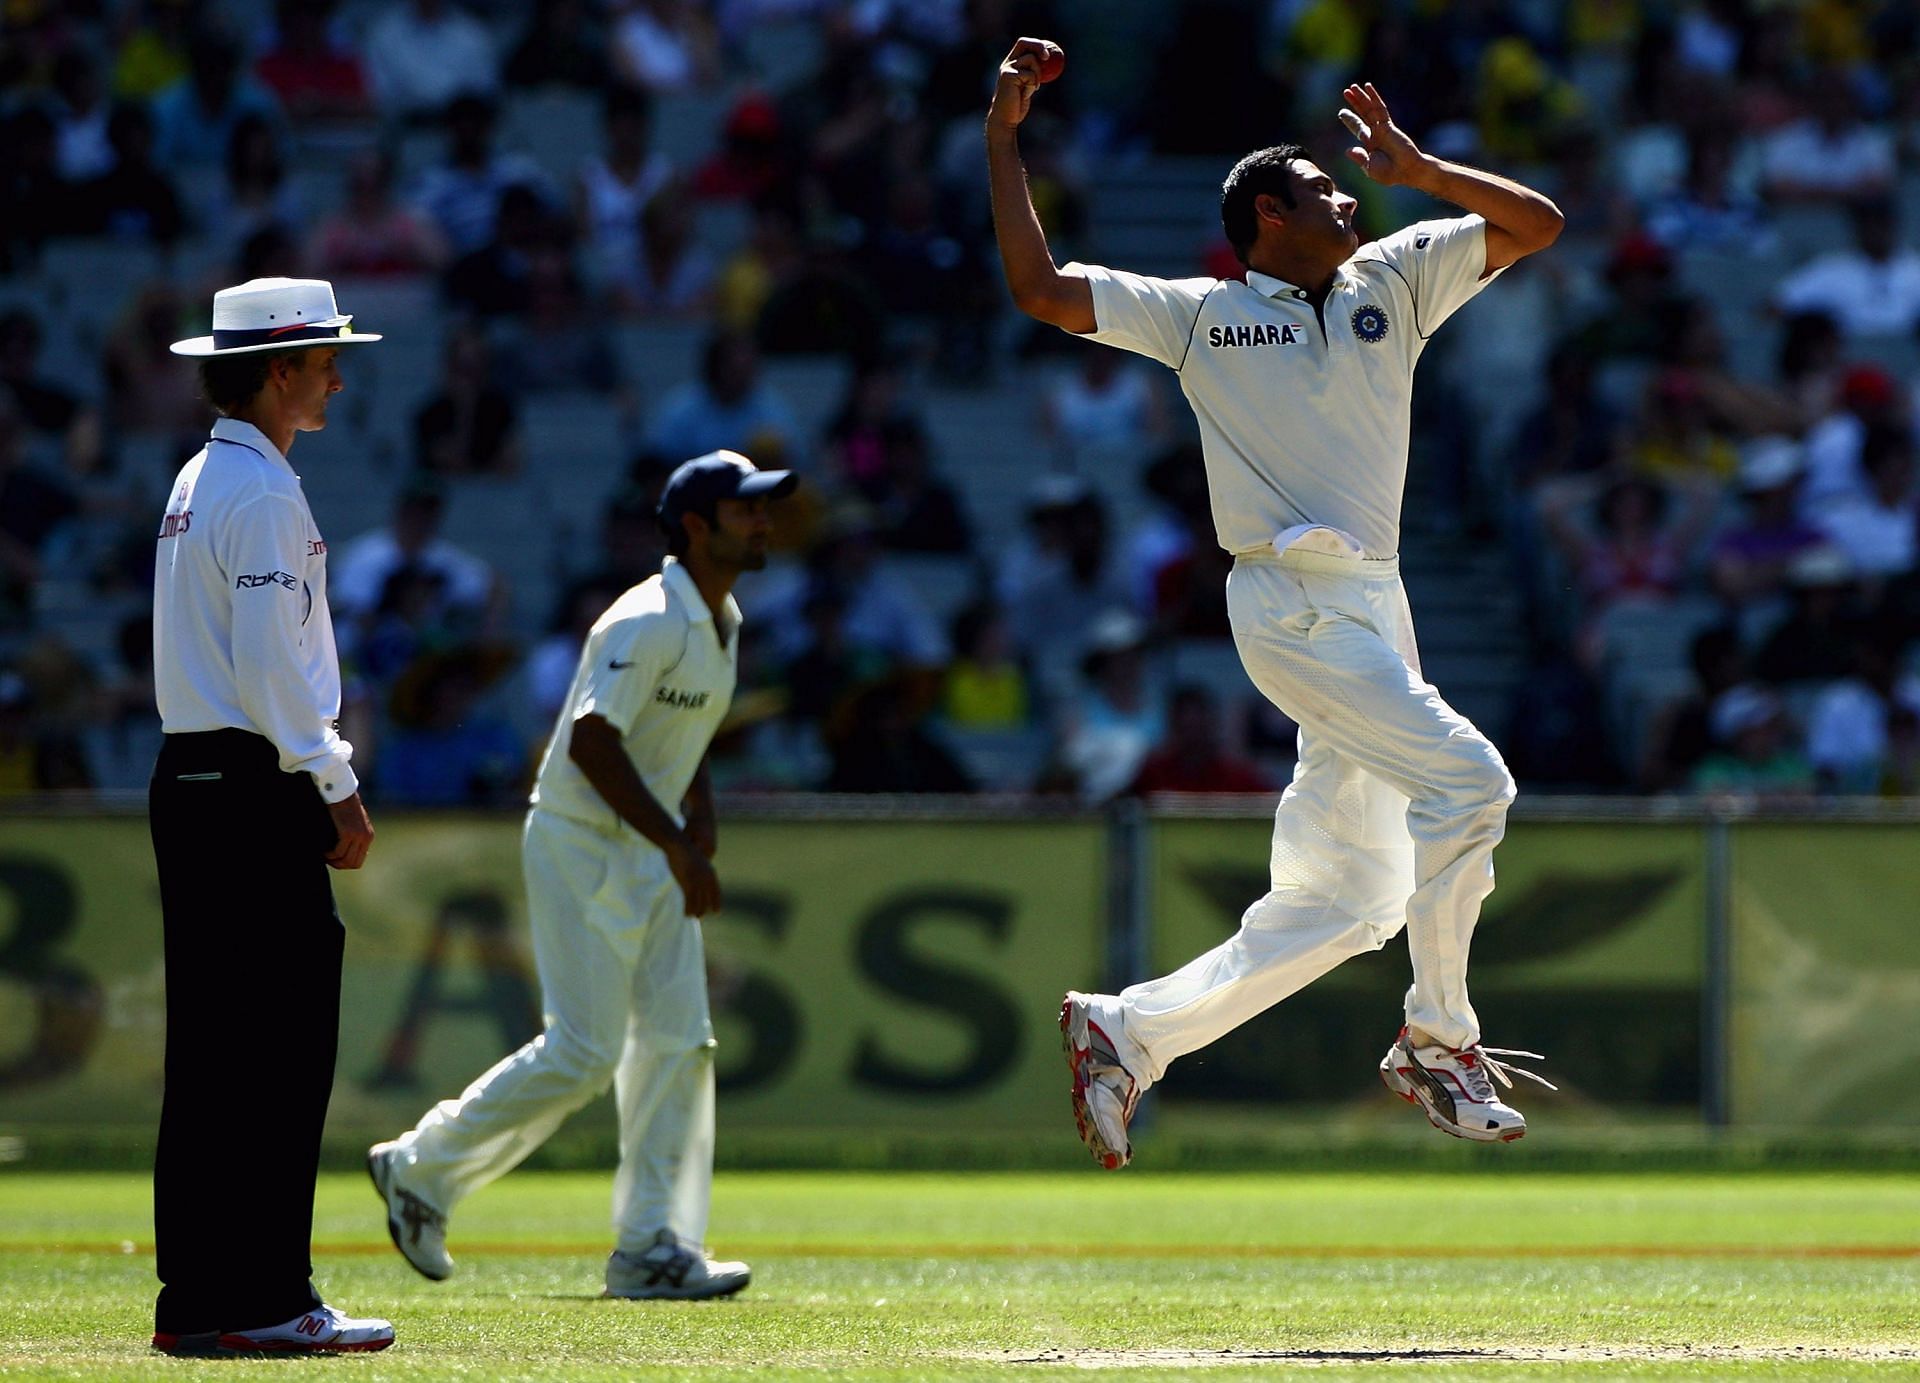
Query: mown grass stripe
(775,1249)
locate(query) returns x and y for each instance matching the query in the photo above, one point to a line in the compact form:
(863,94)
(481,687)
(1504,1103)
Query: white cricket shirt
(658,670)
(1304,415)
(242,638)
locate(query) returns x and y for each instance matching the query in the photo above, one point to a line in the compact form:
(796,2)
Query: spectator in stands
(773,256)
(1103,404)
(81,149)
(1754,751)
(33,756)
(831,669)
(671,274)
(1831,154)
(133,200)
(1192,758)
(881,613)
(444,749)
(194,119)
(882,745)
(857,435)
(411,619)
(1636,550)
(464,192)
(42,406)
(423,54)
(985,686)
(1635,321)
(558,343)
(1676,439)
(1176,480)
(1815,642)
(1682,734)
(1712,209)
(37,202)
(151,54)
(631,541)
(562,45)
(496,280)
(315,74)
(1061,578)
(551,664)
(728,408)
(616,185)
(257,194)
(472,425)
(1750,559)
(663,45)
(150,390)
(1879,530)
(372,235)
(34,501)
(1863,733)
(918,511)
(1809,365)
(753,162)
(1113,720)
(360,573)
(1872,289)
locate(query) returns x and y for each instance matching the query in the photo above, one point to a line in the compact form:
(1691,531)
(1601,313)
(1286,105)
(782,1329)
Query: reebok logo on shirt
(682,700)
(248,580)
(1259,334)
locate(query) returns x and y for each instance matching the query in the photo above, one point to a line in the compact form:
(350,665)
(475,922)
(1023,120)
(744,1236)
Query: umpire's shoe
(673,1270)
(322,1330)
(419,1230)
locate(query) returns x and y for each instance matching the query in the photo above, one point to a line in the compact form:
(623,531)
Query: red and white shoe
(1454,1088)
(322,1330)
(1105,1094)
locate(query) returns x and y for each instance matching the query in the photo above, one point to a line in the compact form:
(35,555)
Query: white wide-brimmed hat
(271,315)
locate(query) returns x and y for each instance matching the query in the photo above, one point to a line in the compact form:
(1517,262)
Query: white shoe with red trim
(1105,1094)
(1455,1087)
(322,1330)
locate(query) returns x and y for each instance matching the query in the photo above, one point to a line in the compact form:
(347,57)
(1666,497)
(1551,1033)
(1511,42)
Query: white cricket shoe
(322,1330)
(1453,1087)
(1105,1094)
(419,1229)
(672,1270)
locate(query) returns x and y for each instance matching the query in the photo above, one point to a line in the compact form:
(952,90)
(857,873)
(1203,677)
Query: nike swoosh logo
(617,665)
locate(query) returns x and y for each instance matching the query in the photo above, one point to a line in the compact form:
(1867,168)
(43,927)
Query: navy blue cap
(697,485)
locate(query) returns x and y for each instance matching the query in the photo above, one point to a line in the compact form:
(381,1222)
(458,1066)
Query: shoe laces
(1477,1061)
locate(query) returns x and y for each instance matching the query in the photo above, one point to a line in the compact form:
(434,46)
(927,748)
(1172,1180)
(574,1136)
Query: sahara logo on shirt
(1259,334)
(682,700)
(1370,323)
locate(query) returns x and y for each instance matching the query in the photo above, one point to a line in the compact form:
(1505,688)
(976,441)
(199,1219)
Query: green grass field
(1484,1275)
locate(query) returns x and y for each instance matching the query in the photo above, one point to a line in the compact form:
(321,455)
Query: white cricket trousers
(624,986)
(1391,819)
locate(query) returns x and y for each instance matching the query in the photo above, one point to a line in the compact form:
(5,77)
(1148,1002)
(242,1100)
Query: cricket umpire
(253,797)
(1300,376)
(617,848)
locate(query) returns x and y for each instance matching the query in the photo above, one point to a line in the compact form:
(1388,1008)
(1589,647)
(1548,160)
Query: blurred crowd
(1683,438)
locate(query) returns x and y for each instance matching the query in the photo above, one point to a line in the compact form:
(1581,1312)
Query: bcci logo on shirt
(1370,323)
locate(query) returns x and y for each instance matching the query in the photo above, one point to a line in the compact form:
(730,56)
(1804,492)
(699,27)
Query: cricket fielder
(616,876)
(1301,379)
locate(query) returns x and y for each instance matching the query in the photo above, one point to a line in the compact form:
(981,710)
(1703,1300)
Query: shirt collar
(674,575)
(251,437)
(1267,286)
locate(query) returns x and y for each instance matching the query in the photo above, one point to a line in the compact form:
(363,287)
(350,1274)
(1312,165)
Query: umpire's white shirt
(657,669)
(242,638)
(1304,416)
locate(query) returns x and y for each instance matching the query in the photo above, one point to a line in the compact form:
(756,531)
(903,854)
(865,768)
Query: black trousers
(253,948)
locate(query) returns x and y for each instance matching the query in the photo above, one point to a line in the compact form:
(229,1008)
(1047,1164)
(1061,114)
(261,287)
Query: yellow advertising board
(1591,949)
(870,975)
